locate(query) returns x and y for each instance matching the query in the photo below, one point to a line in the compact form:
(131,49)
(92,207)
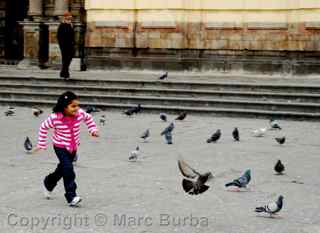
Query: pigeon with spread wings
(194,182)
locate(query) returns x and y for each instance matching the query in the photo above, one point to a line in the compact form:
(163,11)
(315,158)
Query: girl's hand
(95,134)
(36,150)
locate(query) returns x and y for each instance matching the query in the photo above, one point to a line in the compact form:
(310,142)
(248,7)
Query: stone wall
(200,29)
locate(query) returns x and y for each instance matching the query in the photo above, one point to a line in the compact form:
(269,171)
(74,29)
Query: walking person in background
(65,121)
(66,42)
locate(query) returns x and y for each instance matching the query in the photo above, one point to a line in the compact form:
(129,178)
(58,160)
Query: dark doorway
(15,11)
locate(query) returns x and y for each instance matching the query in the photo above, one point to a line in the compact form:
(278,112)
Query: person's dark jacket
(66,38)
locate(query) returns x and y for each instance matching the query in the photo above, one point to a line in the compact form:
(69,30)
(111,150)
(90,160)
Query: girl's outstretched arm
(43,133)
(92,127)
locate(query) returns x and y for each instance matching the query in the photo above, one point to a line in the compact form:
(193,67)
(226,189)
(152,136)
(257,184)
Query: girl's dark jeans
(64,170)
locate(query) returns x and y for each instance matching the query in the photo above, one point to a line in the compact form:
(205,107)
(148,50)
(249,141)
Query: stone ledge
(112,24)
(267,26)
(223,25)
(312,25)
(160,25)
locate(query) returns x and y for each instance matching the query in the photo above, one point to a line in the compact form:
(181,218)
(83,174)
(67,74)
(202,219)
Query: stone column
(35,9)
(60,6)
(54,50)
(31,35)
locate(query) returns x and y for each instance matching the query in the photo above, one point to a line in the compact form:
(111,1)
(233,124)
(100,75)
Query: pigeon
(27,145)
(281,140)
(133,110)
(169,129)
(194,183)
(36,112)
(102,120)
(242,181)
(215,137)
(259,132)
(271,208)
(163,117)
(279,167)
(164,76)
(133,157)
(274,124)
(181,116)
(91,109)
(145,134)
(10,112)
(168,137)
(235,134)
(75,159)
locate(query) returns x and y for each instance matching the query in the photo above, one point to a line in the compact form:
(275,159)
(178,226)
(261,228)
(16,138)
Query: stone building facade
(251,35)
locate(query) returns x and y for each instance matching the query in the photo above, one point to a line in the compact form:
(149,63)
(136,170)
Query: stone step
(187,85)
(174,109)
(171,101)
(158,92)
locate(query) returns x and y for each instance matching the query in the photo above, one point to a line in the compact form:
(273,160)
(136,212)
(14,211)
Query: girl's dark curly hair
(63,101)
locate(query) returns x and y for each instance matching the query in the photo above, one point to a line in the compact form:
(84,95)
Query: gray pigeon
(274,124)
(133,157)
(27,145)
(194,183)
(215,137)
(279,167)
(281,140)
(102,120)
(242,181)
(181,116)
(36,111)
(169,129)
(145,134)
(235,134)
(164,76)
(271,208)
(163,117)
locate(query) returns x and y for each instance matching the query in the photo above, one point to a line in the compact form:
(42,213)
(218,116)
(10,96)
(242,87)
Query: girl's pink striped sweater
(66,130)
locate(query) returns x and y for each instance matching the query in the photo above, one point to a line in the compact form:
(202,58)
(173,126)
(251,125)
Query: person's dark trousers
(66,61)
(64,170)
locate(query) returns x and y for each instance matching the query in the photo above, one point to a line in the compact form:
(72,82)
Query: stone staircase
(294,101)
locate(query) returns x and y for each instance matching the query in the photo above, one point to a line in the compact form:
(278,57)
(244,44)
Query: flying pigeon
(10,112)
(194,183)
(133,156)
(133,110)
(102,120)
(163,117)
(271,208)
(91,109)
(235,134)
(145,134)
(242,181)
(36,112)
(169,129)
(274,124)
(181,116)
(168,137)
(215,137)
(281,140)
(259,132)
(164,76)
(27,145)
(279,167)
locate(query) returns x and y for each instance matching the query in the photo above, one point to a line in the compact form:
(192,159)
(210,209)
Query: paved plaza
(146,196)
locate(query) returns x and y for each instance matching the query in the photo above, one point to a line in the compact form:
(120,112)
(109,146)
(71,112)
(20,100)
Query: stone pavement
(146,196)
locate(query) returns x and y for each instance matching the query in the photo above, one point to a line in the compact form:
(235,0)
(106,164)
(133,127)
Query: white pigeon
(133,156)
(259,132)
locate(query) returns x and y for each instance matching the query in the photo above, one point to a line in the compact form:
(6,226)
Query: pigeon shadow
(278,217)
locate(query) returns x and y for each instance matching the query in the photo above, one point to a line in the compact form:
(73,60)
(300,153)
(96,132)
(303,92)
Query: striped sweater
(66,130)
